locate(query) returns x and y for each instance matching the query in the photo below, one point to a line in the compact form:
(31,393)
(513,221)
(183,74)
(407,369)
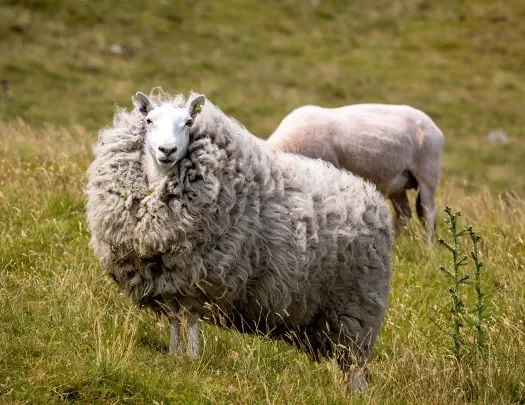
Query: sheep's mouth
(165,161)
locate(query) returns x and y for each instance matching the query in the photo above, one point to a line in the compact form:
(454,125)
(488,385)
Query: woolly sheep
(278,244)
(396,147)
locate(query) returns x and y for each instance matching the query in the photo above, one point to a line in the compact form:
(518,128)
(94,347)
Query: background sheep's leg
(175,335)
(193,333)
(426,210)
(402,210)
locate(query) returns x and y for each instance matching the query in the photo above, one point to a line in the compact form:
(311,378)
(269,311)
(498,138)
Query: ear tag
(157,93)
(197,109)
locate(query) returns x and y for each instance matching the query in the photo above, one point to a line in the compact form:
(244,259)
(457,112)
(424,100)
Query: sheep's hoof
(174,351)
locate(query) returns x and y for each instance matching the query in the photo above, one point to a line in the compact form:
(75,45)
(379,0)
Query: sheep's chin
(155,169)
(166,165)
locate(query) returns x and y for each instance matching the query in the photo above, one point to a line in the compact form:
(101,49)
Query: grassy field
(67,334)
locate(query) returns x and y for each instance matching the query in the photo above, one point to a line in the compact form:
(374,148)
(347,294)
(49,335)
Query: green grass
(67,334)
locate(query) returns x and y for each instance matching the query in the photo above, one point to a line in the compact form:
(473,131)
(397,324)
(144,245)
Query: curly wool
(276,241)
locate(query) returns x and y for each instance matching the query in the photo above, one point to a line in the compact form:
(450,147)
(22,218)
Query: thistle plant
(480,305)
(459,280)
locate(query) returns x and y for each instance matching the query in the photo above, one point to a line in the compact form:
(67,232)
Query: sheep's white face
(168,128)
(168,134)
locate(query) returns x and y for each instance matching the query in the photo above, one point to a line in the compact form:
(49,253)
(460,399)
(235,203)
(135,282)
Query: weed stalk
(458,308)
(458,278)
(480,306)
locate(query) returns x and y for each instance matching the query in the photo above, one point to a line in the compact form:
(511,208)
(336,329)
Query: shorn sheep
(192,216)
(396,147)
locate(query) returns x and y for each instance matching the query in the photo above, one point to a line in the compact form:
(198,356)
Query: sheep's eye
(148,121)
(189,122)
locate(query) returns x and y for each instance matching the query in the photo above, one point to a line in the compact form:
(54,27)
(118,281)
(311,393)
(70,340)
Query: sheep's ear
(143,103)
(196,105)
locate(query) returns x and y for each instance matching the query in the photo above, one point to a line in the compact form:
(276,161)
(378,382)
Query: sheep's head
(168,128)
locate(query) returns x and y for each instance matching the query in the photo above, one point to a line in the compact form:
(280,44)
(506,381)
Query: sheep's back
(374,141)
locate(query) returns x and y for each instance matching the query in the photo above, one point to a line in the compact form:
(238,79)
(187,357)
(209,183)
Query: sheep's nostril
(168,151)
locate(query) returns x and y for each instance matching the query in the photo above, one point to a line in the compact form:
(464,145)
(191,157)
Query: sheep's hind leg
(353,351)
(357,380)
(402,210)
(426,210)
(353,362)
(193,333)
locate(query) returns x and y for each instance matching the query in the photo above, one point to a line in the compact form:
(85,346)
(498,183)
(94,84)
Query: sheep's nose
(168,151)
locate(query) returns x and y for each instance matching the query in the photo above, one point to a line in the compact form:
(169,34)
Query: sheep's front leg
(426,210)
(175,347)
(193,333)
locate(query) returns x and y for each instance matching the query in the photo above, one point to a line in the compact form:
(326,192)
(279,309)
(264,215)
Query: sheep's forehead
(168,112)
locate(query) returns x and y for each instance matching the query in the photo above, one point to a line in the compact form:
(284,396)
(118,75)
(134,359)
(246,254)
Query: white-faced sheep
(279,244)
(396,147)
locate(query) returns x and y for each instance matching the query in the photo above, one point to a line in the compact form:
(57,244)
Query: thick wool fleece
(278,242)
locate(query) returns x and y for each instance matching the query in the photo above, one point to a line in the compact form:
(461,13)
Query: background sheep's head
(168,128)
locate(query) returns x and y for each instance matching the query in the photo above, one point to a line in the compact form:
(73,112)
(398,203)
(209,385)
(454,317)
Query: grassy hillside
(463,62)
(67,334)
